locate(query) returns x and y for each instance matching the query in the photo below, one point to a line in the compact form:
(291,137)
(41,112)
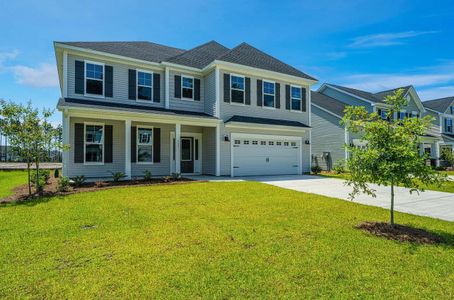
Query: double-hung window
(144,86)
(94,78)
(94,143)
(296,97)
(448,125)
(145,145)
(268,94)
(237,89)
(401,115)
(187,87)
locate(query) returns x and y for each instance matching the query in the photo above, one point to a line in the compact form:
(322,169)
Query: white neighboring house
(135,106)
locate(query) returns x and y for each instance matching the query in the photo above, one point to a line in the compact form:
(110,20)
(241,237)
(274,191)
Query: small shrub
(339,167)
(147,176)
(56,173)
(63,184)
(117,176)
(316,169)
(440,168)
(176,176)
(79,180)
(99,184)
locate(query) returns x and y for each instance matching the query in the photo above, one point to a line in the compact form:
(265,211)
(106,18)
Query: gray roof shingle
(245,54)
(439,105)
(374,97)
(335,106)
(265,121)
(139,50)
(200,56)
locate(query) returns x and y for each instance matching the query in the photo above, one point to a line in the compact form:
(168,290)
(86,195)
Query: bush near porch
(214,240)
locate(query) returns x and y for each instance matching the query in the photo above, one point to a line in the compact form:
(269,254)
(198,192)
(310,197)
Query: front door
(187,155)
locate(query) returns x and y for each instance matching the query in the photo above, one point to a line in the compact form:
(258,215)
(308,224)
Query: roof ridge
(124,42)
(197,47)
(438,99)
(397,88)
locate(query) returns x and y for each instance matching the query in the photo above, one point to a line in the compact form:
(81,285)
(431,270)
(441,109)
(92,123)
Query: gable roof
(330,104)
(245,54)
(139,50)
(439,105)
(373,97)
(200,56)
(382,95)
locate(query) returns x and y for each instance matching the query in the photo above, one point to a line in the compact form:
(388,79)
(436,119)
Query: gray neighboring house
(442,111)
(329,137)
(136,106)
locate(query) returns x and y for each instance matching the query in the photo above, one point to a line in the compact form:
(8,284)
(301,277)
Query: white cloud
(45,75)
(5,56)
(436,92)
(386,39)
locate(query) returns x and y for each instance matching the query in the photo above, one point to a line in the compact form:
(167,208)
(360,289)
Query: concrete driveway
(430,203)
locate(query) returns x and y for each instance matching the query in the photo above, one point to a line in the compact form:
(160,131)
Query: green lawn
(10,180)
(213,240)
(447,186)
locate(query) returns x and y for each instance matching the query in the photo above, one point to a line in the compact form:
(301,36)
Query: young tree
(391,157)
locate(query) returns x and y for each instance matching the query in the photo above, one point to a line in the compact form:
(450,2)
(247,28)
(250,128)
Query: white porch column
(178,148)
(128,149)
(437,154)
(218,150)
(421,149)
(65,137)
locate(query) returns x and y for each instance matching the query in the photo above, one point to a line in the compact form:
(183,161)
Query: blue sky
(372,45)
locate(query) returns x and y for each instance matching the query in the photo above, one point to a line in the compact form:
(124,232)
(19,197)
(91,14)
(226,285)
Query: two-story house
(442,111)
(135,106)
(329,137)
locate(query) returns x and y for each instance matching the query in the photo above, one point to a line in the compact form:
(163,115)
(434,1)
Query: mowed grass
(214,240)
(447,186)
(11,179)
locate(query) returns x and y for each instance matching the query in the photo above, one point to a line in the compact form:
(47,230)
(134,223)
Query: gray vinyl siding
(350,100)
(327,136)
(183,104)
(210,93)
(227,110)
(98,171)
(411,106)
(225,146)
(120,82)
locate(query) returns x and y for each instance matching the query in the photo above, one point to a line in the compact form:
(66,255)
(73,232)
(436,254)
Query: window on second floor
(187,87)
(448,125)
(94,78)
(237,89)
(144,86)
(451,108)
(268,94)
(296,98)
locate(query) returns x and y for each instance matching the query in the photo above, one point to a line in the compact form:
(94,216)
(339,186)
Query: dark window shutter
(156,87)
(132,84)
(157,145)
(226,87)
(133,143)
(303,99)
(278,95)
(108,88)
(259,92)
(108,144)
(177,86)
(287,97)
(196,89)
(79,82)
(79,143)
(247,82)
(196,149)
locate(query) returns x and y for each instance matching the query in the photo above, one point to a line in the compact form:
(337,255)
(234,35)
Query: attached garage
(265,155)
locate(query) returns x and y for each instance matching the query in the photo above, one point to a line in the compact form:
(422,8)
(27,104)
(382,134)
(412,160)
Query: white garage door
(262,155)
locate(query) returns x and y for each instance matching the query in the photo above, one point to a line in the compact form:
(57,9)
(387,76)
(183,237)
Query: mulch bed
(50,189)
(401,233)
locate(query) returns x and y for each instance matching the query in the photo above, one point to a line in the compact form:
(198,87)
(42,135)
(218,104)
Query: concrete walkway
(430,203)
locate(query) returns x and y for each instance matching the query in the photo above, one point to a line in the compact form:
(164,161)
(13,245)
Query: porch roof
(116,106)
(266,121)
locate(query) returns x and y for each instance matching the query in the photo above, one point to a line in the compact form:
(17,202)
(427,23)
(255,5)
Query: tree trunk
(392,204)
(29,177)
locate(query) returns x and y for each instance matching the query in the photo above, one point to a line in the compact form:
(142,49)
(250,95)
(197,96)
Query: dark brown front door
(187,155)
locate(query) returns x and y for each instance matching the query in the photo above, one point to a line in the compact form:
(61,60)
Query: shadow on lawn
(405,233)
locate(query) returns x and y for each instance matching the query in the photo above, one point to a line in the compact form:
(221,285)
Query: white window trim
(137,145)
(301,99)
(89,163)
(137,86)
(190,149)
(193,89)
(103,78)
(243,90)
(263,94)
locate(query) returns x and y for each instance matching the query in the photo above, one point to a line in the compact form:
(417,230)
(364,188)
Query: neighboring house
(135,106)
(442,111)
(329,136)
